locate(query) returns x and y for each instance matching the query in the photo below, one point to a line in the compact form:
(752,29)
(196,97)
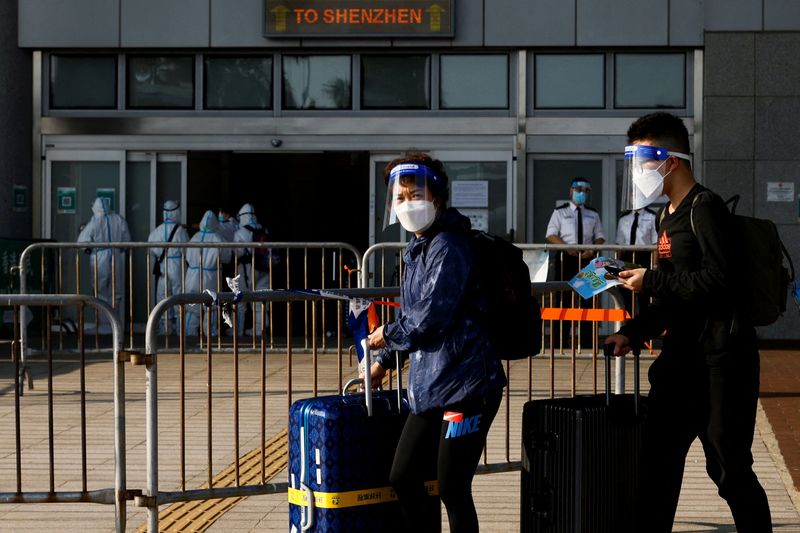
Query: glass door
(73,180)
(151,179)
(481,188)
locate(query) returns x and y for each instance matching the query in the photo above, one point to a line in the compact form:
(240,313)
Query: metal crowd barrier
(221,395)
(268,377)
(60,456)
(301,265)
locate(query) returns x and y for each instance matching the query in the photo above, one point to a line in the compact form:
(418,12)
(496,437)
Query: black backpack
(767,286)
(514,318)
(262,257)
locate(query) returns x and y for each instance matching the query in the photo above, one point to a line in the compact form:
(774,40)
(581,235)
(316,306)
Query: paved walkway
(497,495)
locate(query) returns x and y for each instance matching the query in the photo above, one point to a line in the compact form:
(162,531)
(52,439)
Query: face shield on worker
(410,197)
(171,211)
(643,174)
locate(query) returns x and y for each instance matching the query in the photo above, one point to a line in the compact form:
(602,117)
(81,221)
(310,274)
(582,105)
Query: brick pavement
(780,399)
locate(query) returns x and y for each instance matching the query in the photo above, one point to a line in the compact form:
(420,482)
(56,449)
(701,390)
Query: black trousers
(449,443)
(714,400)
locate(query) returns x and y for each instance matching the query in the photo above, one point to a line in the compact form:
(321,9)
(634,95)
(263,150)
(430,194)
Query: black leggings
(445,443)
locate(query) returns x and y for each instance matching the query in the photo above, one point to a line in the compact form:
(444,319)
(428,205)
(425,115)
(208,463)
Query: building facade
(16,160)
(296,106)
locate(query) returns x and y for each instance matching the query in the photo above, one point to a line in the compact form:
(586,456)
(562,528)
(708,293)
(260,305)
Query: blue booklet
(599,275)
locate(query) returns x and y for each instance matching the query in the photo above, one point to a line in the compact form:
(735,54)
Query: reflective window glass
(570,81)
(83,82)
(238,83)
(317,82)
(395,82)
(650,80)
(474,82)
(163,82)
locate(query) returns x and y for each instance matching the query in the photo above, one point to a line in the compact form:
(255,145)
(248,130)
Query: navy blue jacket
(448,347)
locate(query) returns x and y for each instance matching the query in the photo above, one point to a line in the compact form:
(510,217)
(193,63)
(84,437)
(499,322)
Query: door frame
(158,157)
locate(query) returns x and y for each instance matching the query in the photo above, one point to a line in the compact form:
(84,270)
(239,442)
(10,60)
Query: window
(83,82)
(574,81)
(395,82)
(317,82)
(238,82)
(650,81)
(161,82)
(473,82)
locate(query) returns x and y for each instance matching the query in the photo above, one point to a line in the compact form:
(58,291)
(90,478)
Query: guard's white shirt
(645,229)
(563,223)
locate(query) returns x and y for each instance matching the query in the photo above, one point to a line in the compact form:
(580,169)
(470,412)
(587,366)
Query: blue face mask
(579,197)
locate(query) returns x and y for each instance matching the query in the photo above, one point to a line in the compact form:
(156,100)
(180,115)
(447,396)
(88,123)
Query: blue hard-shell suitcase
(340,458)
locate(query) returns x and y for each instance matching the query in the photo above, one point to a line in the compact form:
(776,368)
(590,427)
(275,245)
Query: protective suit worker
(106,226)
(202,272)
(168,262)
(227,224)
(253,263)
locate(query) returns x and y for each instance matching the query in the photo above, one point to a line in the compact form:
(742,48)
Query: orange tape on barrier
(590,315)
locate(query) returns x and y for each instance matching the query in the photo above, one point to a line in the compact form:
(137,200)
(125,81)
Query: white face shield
(643,178)
(171,211)
(247,216)
(409,197)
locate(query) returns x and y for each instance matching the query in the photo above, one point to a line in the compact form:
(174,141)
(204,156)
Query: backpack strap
(164,250)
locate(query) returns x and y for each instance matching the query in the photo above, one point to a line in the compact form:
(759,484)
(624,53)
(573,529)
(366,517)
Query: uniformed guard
(575,223)
(636,227)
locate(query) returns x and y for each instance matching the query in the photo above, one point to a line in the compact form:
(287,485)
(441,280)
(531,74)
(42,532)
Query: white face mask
(416,215)
(649,185)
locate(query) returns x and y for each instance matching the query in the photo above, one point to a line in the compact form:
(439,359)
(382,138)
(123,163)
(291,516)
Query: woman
(455,379)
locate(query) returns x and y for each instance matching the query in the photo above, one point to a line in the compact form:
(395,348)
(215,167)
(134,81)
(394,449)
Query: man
(575,223)
(168,262)
(705,381)
(636,227)
(107,226)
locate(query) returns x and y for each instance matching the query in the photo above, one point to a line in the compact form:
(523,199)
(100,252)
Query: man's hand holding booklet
(600,274)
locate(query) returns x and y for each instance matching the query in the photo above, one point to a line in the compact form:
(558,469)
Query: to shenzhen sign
(364,18)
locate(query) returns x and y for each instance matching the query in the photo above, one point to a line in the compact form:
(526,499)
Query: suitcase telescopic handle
(608,352)
(367,384)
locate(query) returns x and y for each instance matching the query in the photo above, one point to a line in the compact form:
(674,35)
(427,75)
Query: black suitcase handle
(608,352)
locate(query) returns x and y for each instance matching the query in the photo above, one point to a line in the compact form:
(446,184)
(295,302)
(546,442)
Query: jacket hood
(101,206)
(209,224)
(451,220)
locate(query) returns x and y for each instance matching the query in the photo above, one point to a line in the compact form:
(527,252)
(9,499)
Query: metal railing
(302,265)
(255,396)
(51,446)
(236,396)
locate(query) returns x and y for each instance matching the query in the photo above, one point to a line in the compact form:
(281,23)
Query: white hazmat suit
(248,223)
(170,260)
(203,270)
(106,226)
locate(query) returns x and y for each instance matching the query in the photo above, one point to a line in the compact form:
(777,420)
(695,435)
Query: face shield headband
(413,176)
(643,182)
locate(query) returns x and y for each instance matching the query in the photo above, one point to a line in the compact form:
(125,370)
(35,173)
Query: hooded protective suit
(106,226)
(247,273)
(203,269)
(171,279)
